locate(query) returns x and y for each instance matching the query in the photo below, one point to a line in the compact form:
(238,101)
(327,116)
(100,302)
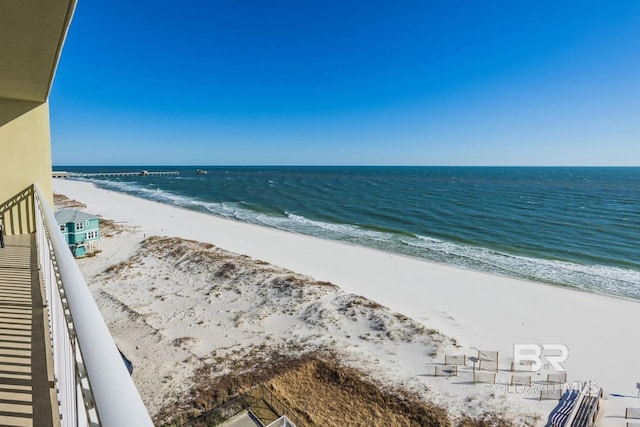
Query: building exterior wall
(87,235)
(65,232)
(25,151)
(78,231)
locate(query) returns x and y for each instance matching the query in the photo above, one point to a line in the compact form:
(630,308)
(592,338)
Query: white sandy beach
(479,311)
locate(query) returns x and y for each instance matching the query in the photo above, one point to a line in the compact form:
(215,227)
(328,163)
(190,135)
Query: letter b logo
(533,353)
(528,353)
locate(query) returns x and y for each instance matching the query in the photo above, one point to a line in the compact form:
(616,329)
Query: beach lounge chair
(484,377)
(557,378)
(488,360)
(632,413)
(459,359)
(446,371)
(562,411)
(551,394)
(524,380)
(487,355)
(488,365)
(522,366)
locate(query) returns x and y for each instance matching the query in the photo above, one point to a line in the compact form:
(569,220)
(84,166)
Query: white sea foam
(347,229)
(598,278)
(299,223)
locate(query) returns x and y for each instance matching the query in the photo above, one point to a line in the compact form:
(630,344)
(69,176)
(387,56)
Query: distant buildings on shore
(81,231)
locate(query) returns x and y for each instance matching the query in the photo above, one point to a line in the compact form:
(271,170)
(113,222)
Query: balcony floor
(25,380)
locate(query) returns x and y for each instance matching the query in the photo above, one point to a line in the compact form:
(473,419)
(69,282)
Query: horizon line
(341,165)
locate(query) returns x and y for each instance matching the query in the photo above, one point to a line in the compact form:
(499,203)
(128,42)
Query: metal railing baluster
(93,384)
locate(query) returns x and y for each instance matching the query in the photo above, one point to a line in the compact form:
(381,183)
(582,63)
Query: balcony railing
(93,385)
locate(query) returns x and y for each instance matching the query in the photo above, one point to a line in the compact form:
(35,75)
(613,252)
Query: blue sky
(289,82)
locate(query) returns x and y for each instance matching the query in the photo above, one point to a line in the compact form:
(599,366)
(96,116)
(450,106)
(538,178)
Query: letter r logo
(533,353)
(556,359)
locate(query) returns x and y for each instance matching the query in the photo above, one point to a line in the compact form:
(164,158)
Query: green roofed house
(80,230)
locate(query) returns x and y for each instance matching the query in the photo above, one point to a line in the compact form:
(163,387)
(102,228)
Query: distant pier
(107,174)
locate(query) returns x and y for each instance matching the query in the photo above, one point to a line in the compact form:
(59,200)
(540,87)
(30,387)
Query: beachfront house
(81,231)
(64,367)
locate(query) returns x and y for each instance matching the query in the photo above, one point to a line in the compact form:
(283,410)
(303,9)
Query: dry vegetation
(317,388)
(61,201)
(319,391)
(311,379)
(488,420)
(326,393)
(108,227)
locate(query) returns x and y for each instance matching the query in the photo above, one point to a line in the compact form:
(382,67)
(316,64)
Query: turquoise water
(577,227)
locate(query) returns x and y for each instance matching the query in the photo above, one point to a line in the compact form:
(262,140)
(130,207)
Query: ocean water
(576,227)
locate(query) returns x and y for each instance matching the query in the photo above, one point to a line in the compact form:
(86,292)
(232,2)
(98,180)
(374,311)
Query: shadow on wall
(14,108)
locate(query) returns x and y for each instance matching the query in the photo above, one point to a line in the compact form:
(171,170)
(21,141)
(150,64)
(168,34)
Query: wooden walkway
(26,378)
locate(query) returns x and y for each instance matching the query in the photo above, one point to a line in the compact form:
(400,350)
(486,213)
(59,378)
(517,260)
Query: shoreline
(478,309)
(516,277)
(538,268)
